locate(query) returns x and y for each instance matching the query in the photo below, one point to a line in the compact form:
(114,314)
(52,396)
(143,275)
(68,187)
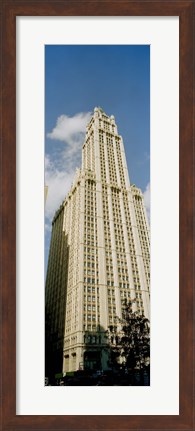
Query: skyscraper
(99,253)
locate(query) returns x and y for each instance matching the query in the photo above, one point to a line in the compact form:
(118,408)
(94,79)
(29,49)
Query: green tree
(129,340)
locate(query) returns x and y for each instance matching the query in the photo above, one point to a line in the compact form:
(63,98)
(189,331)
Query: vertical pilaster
(114,256)
(127,250)
(126,174)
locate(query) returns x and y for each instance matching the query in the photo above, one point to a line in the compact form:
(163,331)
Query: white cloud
(147,200)
(59,183)
(67,127)
(71,130)
(60,169)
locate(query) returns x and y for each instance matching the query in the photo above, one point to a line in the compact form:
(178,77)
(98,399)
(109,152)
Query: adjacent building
(99,254)
(45,192)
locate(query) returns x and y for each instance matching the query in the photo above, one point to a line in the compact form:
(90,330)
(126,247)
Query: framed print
(27,28)
(164,56)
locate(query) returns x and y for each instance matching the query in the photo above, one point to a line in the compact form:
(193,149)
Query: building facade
(99,253)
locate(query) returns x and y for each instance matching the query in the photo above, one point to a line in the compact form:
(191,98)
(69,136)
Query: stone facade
(99,252)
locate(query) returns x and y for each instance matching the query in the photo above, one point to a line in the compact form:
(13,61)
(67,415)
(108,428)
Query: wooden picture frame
(10,10)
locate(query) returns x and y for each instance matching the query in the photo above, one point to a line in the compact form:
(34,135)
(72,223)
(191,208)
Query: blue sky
(78,78)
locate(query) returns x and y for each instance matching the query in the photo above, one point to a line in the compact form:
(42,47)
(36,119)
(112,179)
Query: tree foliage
(129,340)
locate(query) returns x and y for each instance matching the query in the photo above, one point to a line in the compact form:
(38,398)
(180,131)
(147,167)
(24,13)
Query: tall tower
(99,252)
